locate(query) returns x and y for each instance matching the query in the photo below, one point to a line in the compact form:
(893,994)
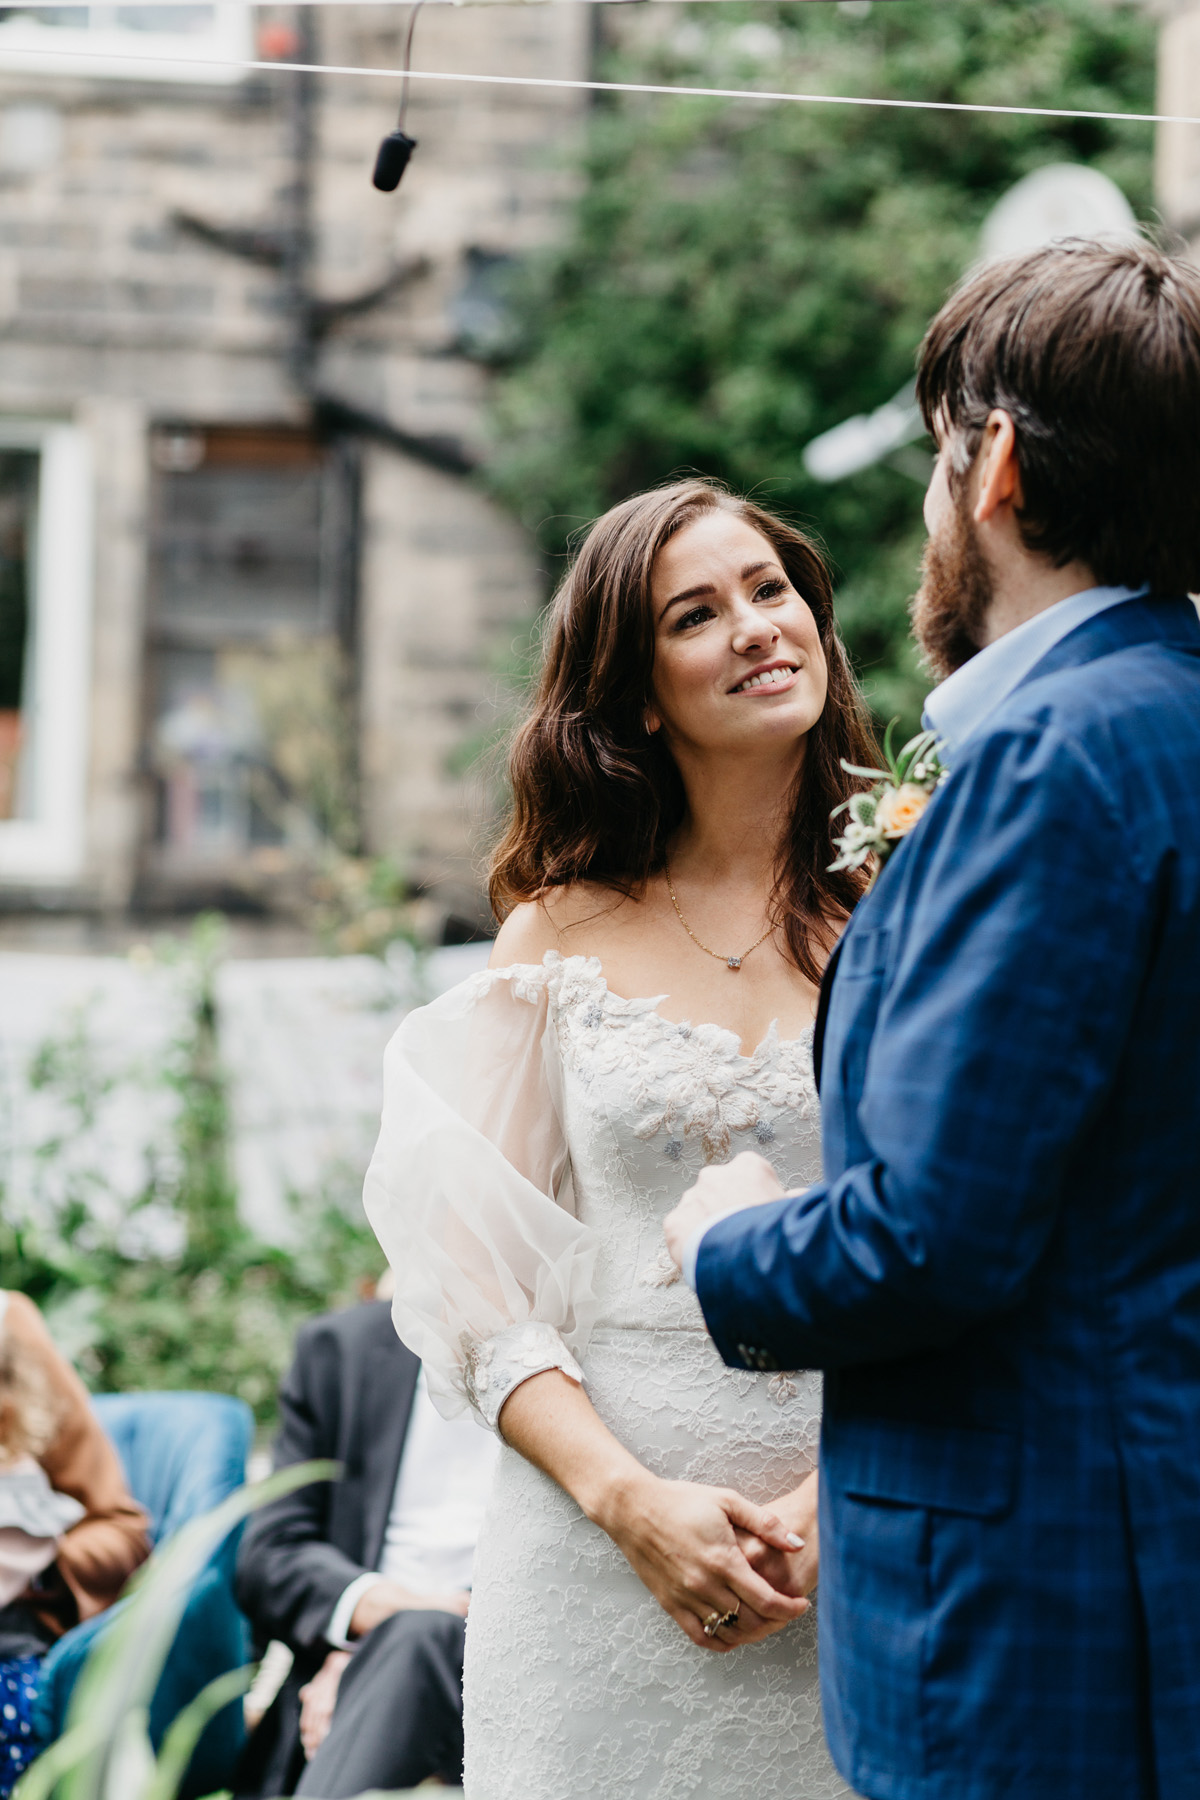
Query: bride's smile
(776,675)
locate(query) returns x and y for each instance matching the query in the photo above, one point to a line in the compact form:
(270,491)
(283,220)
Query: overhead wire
(406,66)
(23,58)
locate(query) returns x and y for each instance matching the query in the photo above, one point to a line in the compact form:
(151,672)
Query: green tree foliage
(741,276)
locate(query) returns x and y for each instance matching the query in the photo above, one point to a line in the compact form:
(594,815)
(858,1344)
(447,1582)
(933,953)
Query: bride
(637,1629)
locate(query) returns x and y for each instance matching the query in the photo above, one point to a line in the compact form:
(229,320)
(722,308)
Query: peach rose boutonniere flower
(898,809)
(886,812)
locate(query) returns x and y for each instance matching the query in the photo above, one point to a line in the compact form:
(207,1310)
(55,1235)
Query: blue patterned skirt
(18,1746)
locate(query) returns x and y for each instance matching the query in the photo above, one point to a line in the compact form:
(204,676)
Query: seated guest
(70,1535)
(365,1580)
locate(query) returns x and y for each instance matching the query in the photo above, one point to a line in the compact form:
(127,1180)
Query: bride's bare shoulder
(554,921)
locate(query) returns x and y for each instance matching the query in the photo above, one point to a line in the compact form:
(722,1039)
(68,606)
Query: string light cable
(15,58)
(397,147)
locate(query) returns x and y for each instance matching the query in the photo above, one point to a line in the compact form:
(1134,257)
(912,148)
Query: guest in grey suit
(365,1580)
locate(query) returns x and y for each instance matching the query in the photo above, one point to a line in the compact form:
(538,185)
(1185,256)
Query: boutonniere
(888,810)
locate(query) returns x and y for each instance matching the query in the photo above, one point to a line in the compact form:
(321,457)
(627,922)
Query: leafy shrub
(219,1308)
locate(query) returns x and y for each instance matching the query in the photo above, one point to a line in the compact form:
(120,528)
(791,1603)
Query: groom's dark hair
(1094,351)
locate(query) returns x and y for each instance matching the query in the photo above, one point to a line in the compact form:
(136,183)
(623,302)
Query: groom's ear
(997,472)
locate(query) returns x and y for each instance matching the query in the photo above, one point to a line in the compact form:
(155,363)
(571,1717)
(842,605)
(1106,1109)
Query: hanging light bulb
(397,147)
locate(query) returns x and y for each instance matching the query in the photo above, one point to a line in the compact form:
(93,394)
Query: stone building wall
(1177,171)
(119,319)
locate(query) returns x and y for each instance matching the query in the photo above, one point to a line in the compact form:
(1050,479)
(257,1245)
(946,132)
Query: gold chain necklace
(731,962)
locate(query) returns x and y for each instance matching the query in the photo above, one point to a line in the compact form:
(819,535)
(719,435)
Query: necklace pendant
(733,962)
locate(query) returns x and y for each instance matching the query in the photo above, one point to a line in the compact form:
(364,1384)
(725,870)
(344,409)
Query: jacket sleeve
(289,1576)
(1003,1020)
(97,1556)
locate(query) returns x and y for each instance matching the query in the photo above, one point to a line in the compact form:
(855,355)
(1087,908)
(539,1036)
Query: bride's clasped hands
(705,1553)
(695,1548)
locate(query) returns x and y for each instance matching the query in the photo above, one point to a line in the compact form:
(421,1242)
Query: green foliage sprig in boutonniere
(888,810)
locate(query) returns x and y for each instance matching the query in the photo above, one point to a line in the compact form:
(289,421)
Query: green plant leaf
(184,1734)
(912,753)
(122,1671)
(868,774)
(130,1763)
(40,1779)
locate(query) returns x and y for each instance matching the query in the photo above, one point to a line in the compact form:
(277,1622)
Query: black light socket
(394,153)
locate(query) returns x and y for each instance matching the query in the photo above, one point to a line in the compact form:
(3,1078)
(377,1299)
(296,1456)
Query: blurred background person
(365,1580)
(70,1535)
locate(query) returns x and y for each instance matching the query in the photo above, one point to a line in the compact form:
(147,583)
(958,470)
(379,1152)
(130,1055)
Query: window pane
(189,19)
(239,549)
(196,42)
(250,734)
(18,512)
(182,20)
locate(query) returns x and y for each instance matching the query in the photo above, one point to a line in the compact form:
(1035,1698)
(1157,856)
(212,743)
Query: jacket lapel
(389,1381)
(1172,621)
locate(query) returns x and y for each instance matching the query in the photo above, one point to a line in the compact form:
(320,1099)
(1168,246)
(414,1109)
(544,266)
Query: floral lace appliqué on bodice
(684,1081)
(648,1103)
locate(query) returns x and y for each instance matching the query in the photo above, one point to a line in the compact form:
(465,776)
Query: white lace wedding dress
(536,1129)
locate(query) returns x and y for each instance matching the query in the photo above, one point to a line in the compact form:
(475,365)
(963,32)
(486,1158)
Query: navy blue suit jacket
(1000,1270)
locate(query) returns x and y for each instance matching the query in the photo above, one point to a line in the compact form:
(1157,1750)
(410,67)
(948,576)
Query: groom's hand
(748,1180)
(789,1571)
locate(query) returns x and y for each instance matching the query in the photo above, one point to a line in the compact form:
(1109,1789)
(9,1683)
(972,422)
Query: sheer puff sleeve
(469,1193)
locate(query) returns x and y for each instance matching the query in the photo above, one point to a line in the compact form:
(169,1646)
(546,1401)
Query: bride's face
(738,662)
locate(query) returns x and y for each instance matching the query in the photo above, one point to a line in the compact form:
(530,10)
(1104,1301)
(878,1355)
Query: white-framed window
(45,648)
(249,624)
(163,42)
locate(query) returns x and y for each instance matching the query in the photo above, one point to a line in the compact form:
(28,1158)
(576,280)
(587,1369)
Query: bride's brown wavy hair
(597,798)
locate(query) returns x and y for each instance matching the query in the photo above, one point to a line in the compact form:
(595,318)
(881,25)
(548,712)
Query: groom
(1000,1271)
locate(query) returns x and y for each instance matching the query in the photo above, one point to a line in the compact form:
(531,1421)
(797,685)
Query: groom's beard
(951,604)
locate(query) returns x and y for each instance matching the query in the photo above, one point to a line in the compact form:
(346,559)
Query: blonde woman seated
(70,1535)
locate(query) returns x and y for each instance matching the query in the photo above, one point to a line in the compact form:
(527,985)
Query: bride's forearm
(678,1537)
(552,1423)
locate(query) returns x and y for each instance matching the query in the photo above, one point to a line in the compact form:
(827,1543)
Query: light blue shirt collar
(963,701)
